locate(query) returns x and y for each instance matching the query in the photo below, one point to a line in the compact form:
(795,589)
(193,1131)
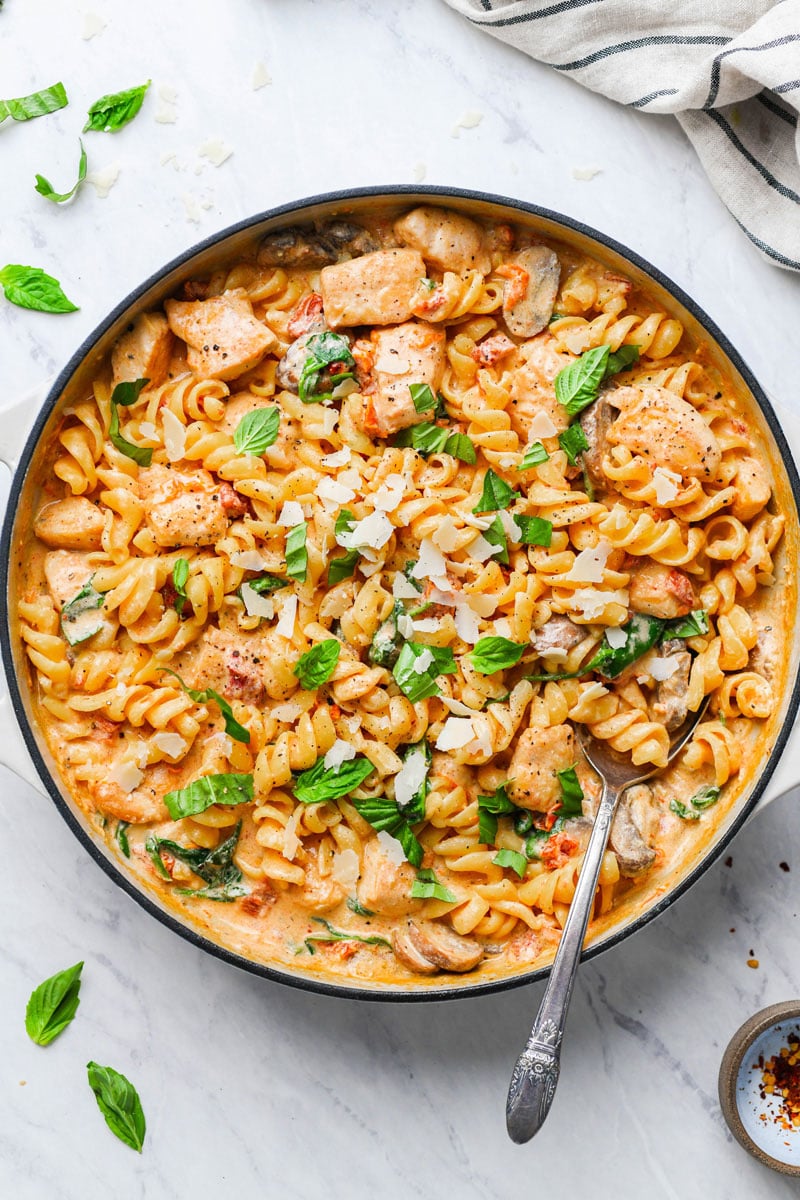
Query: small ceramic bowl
(754,1121)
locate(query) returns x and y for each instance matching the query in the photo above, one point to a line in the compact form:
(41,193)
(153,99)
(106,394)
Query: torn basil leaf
(534,456)
(489,808)
(180,577)
(496,494)
(418,684)
(266,583)
(705,797)
(577,385)
(119,1103)
(641,634)
(123,395)
(694,625)
(30,287)
(320,783)
(207,790)
(621,360)
(324,350)
(573,442)
(344,566)
(571,793)
(121,835)
(429,438)
(45,188)
(297,552)
(203,696)
(355,906)
(77,622)
(52,1005)
(387,641)
(423,397)
(495,535)
(682,811)
(37,104)
(113,112)
(513,859)
(536,531)
(215,866)
(414,811)
(257,431)
(339,935)
(427,887)
(316,666)
(384,814)
(492,654)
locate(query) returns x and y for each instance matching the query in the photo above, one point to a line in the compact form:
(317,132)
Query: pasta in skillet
(346,541)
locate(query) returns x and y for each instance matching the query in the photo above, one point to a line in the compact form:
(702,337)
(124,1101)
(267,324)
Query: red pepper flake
(784,866)
(780,1079)
(729,861)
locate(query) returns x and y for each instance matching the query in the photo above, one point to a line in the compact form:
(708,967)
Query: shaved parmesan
(171,744)
(392,364)
(292,709)
(373,532)
(328,420)
(589,564)
(483,736)
(431,561)
(216,151)
(458,707)
(346,868)
(126,775)
(478,522)
(256,605)
(148,430)
(92,25)
(285,626)
(426,625)
(422,662)
(166,112)
(467,625)
(391,848)
(248,560)
(446,536)
(390,495)
(512,529)
(103,179)
(585,173)
(405,627)
(667,484)
(481,603)
(481,550)
(340,752)
(419,172)
(291,842)
(502,628)
(291,514)
(340,458)
(616,638)
(456,733)
(174,435)
(541,427)
(261,77)
(592,602)
(410,778)
(555,654)
(402,589)
(333,494)
(663,668)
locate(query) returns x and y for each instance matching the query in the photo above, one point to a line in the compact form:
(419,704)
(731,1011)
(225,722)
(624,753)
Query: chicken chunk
(532,390)
(71,524)
(671,704)
(753,488)
(661,591)
(139,807)
(66,573)
(376,289)
(144,350)
(530,293)
(231,663)
(446,240)
(223,336)
(539,755)
(666,430)
(385,886)
(183,507)
(318,893)
(404,355)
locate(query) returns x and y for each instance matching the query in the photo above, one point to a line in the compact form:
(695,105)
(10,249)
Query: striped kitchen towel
(728,69)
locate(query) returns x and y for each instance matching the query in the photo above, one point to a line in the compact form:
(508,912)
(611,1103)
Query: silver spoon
(533,1083)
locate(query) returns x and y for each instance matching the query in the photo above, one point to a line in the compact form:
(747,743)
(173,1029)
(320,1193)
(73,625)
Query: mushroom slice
(297,248)
(595,423)
(443,947)
(671,705)
(633,853)
(408,954)
(537,270)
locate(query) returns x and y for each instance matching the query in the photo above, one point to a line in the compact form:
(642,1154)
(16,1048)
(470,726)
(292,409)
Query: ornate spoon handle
(533,1082)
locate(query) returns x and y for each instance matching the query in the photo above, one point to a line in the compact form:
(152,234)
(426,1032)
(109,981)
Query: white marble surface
(252,1089)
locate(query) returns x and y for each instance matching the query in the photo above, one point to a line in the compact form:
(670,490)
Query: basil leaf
(338,935)
(534,841)
(316,666)
(342,567)
(266,583)
(30,287)
(355,906)
(386,643)
(573,441)
(75,629)
(705,797)
(407,569)
(320,783)
(414,811)
(121,835)
(427,887)
(125,394)
(571,793)
(513,859)
(694,625)
(536,531)
(426,438)
(52,1005)
(621,360)
(419,685)
(180,577)
(535,454)
(422,396)
(296,552)
(203,696)
(495,654)
(37,104)
(324,349)
(46,189)
(153,850)
(257,431)
(576,386)
(215,866)
(641,634)
(111,113)
(208,790)
(462,448)
(682,811)
(489,808)
(495,535)
(523,822)
(496,494)
(119,1103)
(384,814)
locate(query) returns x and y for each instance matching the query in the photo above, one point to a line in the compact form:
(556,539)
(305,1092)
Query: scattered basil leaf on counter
(571,793)
(489,808)
(111,113)
(37,104)
(121,835)
(52,1005)
(266,583)
(385,814)
(695,625)
(513,859)
(427,887)
(338,935)
(215,867)
(324,349)
(203,696)
(496,494)
(419,685)
(45,188)
(492,654)
(423,397)
(123,395)
(208,790)
(297,552)
(355,906)
(705,797)
(30,287)
(74,628)
(320,783)
(495,535)
(257,431)
(534,456)
(573,442)
(316,666)
(682,811)
(119,1103)
(536,531)
(180,577)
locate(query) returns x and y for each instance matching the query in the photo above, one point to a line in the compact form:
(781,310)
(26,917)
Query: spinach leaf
(52,1005)
(125,394)
(415,809)
(571,793)
(705,797)
(355,906)
(324,349)
(427,887)
(536,531)
(496,494)
(573,441)
(215,867)
(694,625)
(74,628)
(422,396)
(419,683)
(534,456)
(45,188)
(495,535)
(257,431)
(641,634)
(119,1103)
(338,935)
(208,790)
(297,552)
(384,814)
(180,577)
(489,808)
(316,666)
(266,583)
(37,104)
(495,654)
(386,643)
(121,834)
(513,859)
(30,287)
(320,783)
(682,811)
(111,113)
(203,696)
